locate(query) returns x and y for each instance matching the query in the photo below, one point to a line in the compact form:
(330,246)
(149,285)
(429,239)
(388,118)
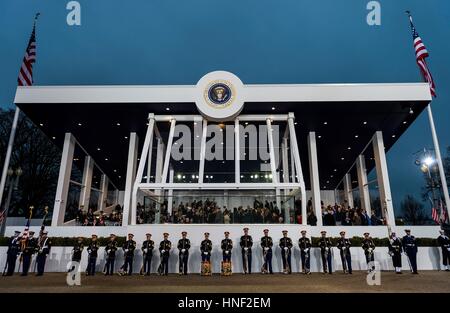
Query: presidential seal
(219,94)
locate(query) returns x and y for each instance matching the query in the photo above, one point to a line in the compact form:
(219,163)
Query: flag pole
(436,149)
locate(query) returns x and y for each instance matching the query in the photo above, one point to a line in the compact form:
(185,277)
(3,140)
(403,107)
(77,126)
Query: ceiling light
(295,123)
(118,124)
(349,148)
(53,137)
(40,124)
(342,159)
(356,136)
(335,170)
(319,136)
(325,123)
(365,123)
(167,109)
(115,171)
(273,108)
(411,111)
(106,159)
(404,122)
(393,136)
(98,149)
(79,124)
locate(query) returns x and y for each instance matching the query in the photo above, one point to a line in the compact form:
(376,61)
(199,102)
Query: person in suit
(444,242)
(410,248)
(147,254)
(305,252)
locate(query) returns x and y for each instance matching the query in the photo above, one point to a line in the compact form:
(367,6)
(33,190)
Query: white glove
(245,248)
(266,248)
(306,250)
(285,248)
(126,250)
(162,251)
(183,250)
(226,252)
(370,250)
(205,253)
(145,250)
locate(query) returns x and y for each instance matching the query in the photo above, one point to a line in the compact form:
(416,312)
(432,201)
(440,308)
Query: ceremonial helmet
(245,229)
(148,234)
(303,232)
(323,232)
(366,234)
(184,233)
(227,233)
(342,233)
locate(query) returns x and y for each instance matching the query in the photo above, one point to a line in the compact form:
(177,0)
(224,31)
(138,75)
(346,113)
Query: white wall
(429,258)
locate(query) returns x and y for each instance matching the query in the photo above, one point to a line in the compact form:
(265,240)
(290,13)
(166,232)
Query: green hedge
(356,241)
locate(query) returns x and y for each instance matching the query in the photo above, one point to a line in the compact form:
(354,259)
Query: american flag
(26,230)
(434,212)
(421,55)
(2,216)
(443,209)
(26,70)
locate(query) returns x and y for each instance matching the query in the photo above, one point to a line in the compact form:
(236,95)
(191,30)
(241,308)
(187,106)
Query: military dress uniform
(286,246)
(444,243)
(325,245)
(164,249)
(43,250)
(266,245)
(12,253)
(147,252)
(227,247)
(395,251)
(77,251)
(305,253)
(29,247)
(368,246)
(410,248)
(92,250)
(205,248)
(128,250)
(110,250)
(183,246)
(344,245)
(246,244)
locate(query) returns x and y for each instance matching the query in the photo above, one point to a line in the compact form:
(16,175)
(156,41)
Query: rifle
(264,266)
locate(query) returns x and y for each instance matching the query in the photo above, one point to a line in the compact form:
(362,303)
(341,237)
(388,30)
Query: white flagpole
(439,159)
(7,160)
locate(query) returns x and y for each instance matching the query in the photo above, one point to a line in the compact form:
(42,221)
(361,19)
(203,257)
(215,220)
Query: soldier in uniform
(12,253)
(92,250)
(246,248)
(395,251)
(110,250)
(286,246)
(77,250)
(128,252)
(305,252)
(266,245)
(344,245)
(184,245)
(147,254)
(444,243)
(28,247)
(368,247)
(205,249)
(325,245)
(164,249)
(410,248)
(227,247)
(44,247)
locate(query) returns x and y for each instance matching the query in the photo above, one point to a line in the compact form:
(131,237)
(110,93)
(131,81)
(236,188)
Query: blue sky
(262,41)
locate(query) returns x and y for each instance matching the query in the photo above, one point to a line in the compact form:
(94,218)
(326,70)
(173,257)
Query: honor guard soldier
(410,248)
(444,242)
(11,254)
(28,247)
(110,250)
(164,249)
(77,250)
(44,247)
(128,252)
(227,247)
(184,245)
(246,248)
(286,246)
(92,250)
(266,245)
(305,252)
(206,248)
(325,245)
(344,245)
(395,251)
(147,254)
(368,247)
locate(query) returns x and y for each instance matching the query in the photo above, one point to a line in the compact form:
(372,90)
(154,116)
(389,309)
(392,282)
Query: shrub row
(356,241)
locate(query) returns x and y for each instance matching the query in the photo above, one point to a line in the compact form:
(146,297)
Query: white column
(62,189)
(86,182)
(298,165)
(348,194)
(284,158)
(201,170)
(104,192)
(12,134)
(170,193)
(273,166)
(130,178)
(439,159)
(168,151)
(383,178)
(158,176)
(314,176)
(363,184)
(149,161)
(237,154)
